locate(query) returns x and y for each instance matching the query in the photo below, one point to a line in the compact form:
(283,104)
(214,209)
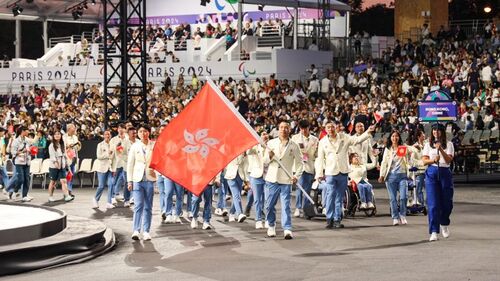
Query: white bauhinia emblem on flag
(199,142)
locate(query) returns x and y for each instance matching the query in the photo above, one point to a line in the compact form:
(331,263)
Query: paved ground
(367,249)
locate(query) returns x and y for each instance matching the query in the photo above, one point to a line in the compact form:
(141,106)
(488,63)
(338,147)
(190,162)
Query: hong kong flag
(401,151)
(202,140)
(377,117)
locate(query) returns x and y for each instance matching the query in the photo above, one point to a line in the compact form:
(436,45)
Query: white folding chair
(35,168)
(85,168)
(94,170)
(45,171)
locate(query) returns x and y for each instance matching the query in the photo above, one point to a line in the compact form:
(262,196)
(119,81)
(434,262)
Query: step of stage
(81,240)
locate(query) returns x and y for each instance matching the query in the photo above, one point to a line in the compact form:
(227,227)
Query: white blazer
(139,159)
(308,149)
(255,156)
(236,167)
(120,159)
(333,157)
(289,157)
(389,154)
(359,172)
(104,158)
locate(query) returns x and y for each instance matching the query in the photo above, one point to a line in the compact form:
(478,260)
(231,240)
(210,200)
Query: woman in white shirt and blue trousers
(438,154)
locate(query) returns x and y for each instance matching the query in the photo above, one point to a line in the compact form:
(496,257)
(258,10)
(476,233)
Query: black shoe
(329,224)
(337,224)
(163,217)
(247,212)
(10,195)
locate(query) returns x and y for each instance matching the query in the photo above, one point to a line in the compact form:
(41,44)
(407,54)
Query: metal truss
(125,93)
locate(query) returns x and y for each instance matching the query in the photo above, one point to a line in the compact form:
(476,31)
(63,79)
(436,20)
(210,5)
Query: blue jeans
(365,192)
(70,183)
(272,191)
(235,187)
(394,183)
(12,181)
(221,202)
(420,180)
(250,200)
(306,181)
(257,185)
(5,177)
(207,208)
(104,179)
(189,200)
(161,189)
(335,190)
(22,179)
(143,205)
(118,181)
(172,187)
(439,187)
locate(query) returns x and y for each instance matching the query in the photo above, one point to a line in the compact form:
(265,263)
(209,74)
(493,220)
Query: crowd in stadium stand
(467,69)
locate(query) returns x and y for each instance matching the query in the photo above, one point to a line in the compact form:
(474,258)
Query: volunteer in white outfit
(256,170)
(278,183)
(105,156)
(308,145)
(71,142)
(58,166)
(131,139)
(141,180)
(332,165)
(235,175)
(363,149)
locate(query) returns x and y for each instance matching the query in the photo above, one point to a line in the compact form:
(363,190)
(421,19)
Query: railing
(270,30)
(470,27)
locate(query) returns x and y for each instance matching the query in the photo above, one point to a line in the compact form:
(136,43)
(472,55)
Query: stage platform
(36,237)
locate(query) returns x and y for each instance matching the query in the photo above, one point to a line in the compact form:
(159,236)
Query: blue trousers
(118,181)
(207,208)
(172,187)
(5,177)
(257,185)
(397,182)
(161,190)
(335,190)
(223,189)
(22,179)
(365,192)
(250,200)
(104,179)
(143,205)
(420,180)
(272,192)
(235,186)
(306,180)
(439,187)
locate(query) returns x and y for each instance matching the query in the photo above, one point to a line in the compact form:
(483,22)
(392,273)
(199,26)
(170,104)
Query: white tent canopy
(310,4)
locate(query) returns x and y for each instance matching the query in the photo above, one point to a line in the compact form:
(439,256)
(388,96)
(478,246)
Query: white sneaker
(52,199)
(218,212)
(370,205)
(168,219)
(241,218)
(232,218)
(119,198)
(131,201)
(176,219)
(135,235)
(194,223)
(323,211)
(363,206)
(29,197)
(403,220)
(95,204)
(271,231)
(68,198)
(445,231)
(206,226)
(296,213)
(126,204)
(1,186)
(110,206)
(26,199)
(434,237)
(288,234)
(113,201)
(146,236)
(395,222)
(258,225)
(190,215)
(266,224)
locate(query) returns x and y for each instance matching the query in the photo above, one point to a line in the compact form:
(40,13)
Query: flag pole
(254,133)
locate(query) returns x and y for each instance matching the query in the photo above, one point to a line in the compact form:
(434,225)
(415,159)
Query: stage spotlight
(93,2)
(487,9)
(261,7)
(16,11)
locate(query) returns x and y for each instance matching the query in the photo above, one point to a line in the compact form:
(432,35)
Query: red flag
(350,127)
(401,151)
(322,134)
(377,117)
(207,135)
(69,176)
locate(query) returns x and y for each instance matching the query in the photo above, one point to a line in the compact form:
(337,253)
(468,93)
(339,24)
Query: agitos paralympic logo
(245,72)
